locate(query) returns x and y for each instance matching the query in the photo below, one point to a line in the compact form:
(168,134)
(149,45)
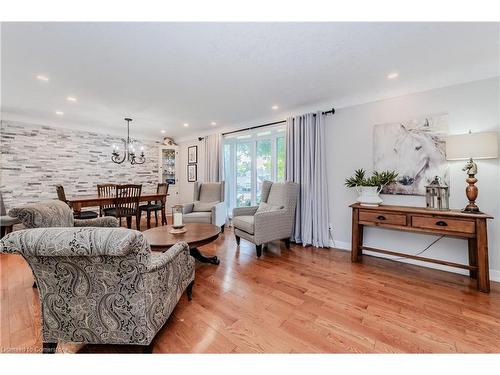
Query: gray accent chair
(6,222)
(208,206)
(102,285)
(272,220)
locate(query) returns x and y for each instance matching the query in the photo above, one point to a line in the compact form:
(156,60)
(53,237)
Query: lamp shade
(472,145)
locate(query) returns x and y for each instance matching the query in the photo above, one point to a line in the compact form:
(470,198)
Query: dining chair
(6,222)
(158,205)
(126,204)
(83,215)
(108,191)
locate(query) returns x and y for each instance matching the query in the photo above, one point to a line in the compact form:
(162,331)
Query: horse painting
(415,150)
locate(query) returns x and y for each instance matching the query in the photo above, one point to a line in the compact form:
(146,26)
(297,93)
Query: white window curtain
(306,165)
(213,165)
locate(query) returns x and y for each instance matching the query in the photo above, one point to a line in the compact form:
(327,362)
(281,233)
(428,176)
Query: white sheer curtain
(306,165)
(213,144)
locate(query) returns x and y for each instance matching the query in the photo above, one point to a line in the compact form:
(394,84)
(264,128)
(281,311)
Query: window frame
(272,133)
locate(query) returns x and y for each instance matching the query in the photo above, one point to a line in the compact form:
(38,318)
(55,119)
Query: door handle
(381,217)
(442,223)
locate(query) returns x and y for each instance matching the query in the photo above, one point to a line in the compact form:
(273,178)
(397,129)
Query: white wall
(185,187)
(472,106)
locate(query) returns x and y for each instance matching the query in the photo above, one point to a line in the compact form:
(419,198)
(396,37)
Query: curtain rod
(331,111)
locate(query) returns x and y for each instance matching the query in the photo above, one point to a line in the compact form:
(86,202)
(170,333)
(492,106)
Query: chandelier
(129,149)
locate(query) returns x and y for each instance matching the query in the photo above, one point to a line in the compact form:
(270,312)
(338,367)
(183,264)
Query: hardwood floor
(305,300)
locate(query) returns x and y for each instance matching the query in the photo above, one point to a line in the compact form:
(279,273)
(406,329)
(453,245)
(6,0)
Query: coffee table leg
(196,254)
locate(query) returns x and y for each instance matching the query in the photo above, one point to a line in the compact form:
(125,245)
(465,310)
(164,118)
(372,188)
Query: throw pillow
(199,206)
(265,207)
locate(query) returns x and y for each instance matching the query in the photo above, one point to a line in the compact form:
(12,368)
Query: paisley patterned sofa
(101,285)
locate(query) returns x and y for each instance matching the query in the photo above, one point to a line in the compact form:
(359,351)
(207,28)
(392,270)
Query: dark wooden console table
(452,223)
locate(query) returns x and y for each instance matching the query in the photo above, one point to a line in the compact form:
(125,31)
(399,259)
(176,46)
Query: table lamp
(469,147)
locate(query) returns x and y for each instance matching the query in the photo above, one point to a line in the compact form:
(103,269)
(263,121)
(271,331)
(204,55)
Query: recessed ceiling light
(393,75)
(71,99)
(186,125)
(213,123)
(163,131)
(275,107)
(42,77)
(59,113)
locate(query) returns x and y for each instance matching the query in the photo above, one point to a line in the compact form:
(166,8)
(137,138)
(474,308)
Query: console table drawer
(382,218)
(443,224)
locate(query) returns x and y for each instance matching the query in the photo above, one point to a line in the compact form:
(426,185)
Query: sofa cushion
(266,207)
(245,223)
(46,214)
(199,206)
(210,192)
(197,217)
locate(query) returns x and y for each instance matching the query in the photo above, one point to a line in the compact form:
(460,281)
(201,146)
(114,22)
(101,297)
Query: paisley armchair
(55,213)
(102,285)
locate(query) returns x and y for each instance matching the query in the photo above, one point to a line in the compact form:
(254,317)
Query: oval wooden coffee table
(197,234)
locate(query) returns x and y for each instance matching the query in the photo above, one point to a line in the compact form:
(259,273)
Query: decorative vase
(369,196)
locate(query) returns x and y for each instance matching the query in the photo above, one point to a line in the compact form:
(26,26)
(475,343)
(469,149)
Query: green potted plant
(369,188)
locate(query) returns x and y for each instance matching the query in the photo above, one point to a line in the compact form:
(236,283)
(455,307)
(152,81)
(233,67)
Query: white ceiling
(167,74)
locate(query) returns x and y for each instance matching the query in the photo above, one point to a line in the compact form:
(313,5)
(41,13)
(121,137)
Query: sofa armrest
(219,214)
(187,208)
(245,211)
(160,260)
(107,221)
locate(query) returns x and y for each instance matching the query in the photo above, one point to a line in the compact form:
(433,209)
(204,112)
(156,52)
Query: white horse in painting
(419,156)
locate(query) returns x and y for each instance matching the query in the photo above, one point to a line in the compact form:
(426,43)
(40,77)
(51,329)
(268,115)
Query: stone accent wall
(35,158)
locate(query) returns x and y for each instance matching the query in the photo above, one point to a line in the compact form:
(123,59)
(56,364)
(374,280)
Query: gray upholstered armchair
(272,220)
(55,213)
(102,285)
(208,206)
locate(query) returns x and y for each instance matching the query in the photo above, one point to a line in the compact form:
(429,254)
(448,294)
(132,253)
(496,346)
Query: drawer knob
(381,217)
(442,223)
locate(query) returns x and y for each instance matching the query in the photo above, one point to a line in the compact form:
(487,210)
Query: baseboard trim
(346,246)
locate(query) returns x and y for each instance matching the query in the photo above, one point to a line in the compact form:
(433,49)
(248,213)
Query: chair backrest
(283,194)
(162,188)
(71,266)
(61,195)
(108,191)
(3,212)
(45,214)
(127,199)
(209,191)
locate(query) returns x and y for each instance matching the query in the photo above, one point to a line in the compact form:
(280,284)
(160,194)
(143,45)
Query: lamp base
(471,209)
(471,191)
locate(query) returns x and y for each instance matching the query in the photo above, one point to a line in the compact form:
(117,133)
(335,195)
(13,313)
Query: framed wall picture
(415,149)
(192,173)
(192,154)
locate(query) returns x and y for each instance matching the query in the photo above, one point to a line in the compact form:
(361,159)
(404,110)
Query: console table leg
(357,237)
(472,257)
(483,272)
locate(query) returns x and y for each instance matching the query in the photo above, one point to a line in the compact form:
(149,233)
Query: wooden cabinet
(452,223)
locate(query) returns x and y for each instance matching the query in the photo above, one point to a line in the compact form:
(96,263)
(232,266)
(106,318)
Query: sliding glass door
(249,159)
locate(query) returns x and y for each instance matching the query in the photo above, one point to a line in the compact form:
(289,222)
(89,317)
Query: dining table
(93,200)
